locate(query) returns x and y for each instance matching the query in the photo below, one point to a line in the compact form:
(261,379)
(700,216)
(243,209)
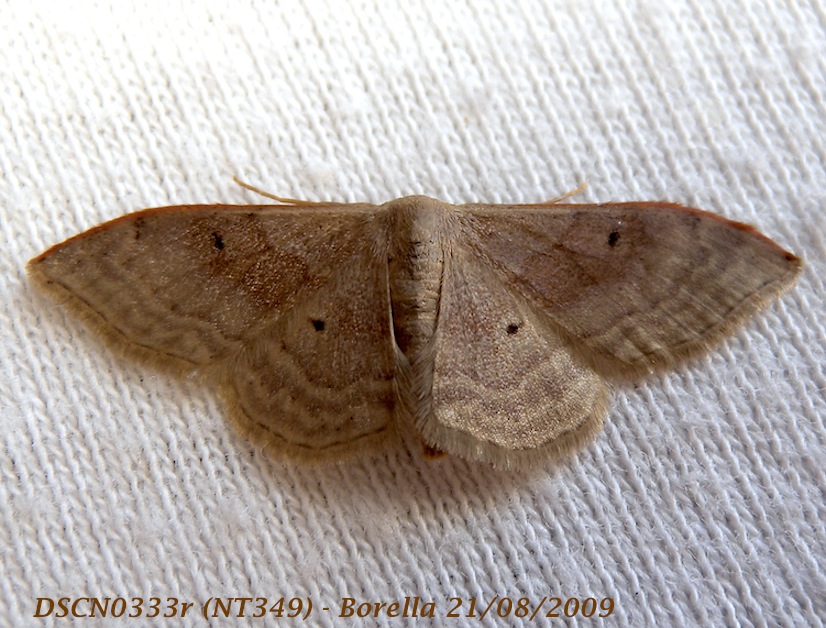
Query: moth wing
(232,290)
(506,388)
(319,380)
(633,285)
(193,282)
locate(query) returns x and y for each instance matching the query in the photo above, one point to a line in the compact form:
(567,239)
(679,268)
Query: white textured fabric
(702,502)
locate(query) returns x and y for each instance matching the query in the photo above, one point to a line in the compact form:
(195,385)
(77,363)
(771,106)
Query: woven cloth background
(701,503)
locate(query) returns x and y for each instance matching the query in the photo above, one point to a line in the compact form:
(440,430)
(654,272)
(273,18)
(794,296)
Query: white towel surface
(702,502)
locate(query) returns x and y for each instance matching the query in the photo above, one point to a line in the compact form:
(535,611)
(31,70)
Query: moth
(492,331)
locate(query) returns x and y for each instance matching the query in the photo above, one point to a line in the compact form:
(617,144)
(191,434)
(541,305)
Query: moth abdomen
(416,265)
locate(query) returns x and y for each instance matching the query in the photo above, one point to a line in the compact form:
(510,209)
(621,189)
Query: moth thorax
(415,265)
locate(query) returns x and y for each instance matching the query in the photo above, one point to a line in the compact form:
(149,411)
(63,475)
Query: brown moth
(491,330)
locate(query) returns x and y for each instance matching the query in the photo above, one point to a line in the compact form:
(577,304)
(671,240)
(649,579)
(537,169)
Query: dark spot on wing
(139,225)
(613,238)
(318,325)
(217,241)
(512,328)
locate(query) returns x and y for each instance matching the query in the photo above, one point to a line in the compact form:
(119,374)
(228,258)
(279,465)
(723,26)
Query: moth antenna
(578,190)
(280,199)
